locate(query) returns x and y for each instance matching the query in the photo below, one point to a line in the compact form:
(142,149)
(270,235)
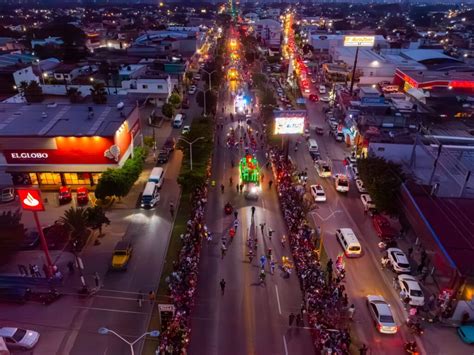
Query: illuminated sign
(289,122)
(359,41)
(32,155)
(30,200)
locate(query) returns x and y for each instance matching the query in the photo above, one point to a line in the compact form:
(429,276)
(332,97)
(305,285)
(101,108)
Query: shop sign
(30,200)
(379,100)
(359,41)
(28,155)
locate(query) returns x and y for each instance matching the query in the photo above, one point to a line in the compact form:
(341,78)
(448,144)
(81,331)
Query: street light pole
(210,88)
(190,149)
(105,331)
(354,68)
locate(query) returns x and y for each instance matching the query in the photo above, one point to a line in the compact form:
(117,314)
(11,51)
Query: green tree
(382,180)
(32,91)
(12,233)
(75,219)
(167,110)
(175,99)
(96,218)
(99,95)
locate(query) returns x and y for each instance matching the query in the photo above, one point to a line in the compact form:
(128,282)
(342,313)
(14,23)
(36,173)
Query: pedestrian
(223,250)
(291,318)
(253,211)
(351,311)
(140,298)
(22,270)
(97,279)
(241,188)
(363,350)
(262,226)
(395,282)
(272,267)
(37,270)
(270,183)
(302,309)
(236,214)
(263,260)
(222,283)
(32,270)
(151,296)
(222,188)
(283,240)
(410,251)
(299,320)
(236,224)
(172,209)
(70,266)
(262,177)
(237,187)
(270,233)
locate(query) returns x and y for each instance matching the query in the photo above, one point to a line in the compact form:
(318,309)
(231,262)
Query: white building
(329,42)
(269,31)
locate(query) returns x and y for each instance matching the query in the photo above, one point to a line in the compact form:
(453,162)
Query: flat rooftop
(434,75)
(62,119)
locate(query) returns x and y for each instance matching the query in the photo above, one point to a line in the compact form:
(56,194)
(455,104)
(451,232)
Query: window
(50,178)
(144,86)
(159,86)
(33,178)
(95,178)
(77,178)
(381,149)
(371,73)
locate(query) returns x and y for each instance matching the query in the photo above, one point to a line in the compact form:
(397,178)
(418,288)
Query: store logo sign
(32,155)
(30,200)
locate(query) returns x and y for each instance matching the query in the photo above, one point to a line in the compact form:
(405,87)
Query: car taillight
(379,327)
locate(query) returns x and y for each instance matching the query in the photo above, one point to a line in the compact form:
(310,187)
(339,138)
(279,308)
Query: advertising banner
(359,41)
(289,122)
(30,200)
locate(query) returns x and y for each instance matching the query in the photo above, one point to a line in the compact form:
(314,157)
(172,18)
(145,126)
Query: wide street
(69,325)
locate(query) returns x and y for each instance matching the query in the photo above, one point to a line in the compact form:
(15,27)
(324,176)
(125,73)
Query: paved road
(249,318)
(69,326)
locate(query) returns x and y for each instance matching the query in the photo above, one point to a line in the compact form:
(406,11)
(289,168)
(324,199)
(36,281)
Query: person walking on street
(140,298)
(283,240)
(230,181)
(270,183)
(151,296)
(241,188)
(237,187)
(351,311)
(363,350)
(291,318)
(223,250)
(236,214)
(97,279)
(262,226)
(222,188)
(222,284)
(253,211)
(172,209)
(272,267)
(299,320)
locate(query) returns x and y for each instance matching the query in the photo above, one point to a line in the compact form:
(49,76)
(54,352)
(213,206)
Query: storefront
(36,158)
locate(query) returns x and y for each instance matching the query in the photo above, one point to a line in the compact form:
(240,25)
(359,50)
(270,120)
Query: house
(50,41)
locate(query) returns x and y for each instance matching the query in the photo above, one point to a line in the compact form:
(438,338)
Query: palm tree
(96,218)
(99,95)
(75,219)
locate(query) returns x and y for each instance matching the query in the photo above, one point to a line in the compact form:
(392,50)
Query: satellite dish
(120,105)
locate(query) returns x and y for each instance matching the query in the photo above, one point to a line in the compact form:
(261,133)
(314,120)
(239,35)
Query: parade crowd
(324,298)
(182,282)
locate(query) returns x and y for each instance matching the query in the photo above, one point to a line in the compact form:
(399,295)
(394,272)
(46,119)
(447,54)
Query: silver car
(381,313)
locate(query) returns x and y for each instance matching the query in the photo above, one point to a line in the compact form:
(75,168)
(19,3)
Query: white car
(360,186)
(411,287)
(185,130)
(367,202)
(19,338)
(341,183)
(398,261)
(323,169)
(322,89)
(355,171)
(197,76)
(324,98)
(381,313)
(318,193)
(192,89)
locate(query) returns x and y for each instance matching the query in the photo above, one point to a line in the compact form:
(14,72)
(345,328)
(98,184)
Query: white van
(157,176)
(178,121)
(349,242)
(312,145)
(150,196)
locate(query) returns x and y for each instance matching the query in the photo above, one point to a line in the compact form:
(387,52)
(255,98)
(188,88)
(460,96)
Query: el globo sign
(32,155)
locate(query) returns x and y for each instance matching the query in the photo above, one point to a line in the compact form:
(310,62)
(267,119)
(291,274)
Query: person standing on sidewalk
(140,298)
(222,284)
(172,209)
(151,296)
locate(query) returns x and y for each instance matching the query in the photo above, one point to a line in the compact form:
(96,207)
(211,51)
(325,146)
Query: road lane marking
(278,299)
(111,310)
(286,346)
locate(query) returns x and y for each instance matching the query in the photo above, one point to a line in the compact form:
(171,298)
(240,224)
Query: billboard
(30,200)
(359,41)
(289,122)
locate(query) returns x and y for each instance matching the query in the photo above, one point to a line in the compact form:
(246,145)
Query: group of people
(182,282)
(324,297)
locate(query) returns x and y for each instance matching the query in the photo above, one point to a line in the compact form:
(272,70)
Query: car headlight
(254,190)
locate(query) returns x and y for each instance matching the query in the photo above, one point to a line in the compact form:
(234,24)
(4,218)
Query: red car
(313,98)
(65,194)
(383,228)
(82,195)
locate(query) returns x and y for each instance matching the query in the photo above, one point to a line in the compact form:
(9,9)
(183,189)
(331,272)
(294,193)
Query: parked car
(318,193)
(360,186)
(185,130)
(65,195)
(381,313)
(466,333)
(398,261)
(355,171)
(341,183)
(121,256)
(322,89)
(383,228)
(19,338)
(170,144)
(319,131)
(7,194)
(82,195)
(411,287)
(30,240)
(163,156)
(367,202)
